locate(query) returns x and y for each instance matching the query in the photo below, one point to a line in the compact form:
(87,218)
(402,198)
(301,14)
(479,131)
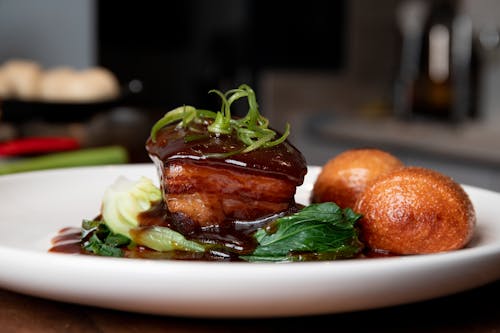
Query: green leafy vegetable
(252,129)
(99,239)
(124,200)
(318,232)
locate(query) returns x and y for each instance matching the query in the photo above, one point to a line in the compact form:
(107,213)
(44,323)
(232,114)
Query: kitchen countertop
(473,142)
(473,311)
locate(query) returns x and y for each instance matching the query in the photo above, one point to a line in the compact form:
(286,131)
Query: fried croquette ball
(415,210)
(344,177)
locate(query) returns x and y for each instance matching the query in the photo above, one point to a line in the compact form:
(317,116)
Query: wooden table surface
(473,311)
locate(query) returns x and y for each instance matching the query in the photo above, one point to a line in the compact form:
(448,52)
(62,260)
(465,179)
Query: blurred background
(417,78)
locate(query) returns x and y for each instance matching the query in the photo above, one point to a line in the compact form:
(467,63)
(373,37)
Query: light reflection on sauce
(67,240)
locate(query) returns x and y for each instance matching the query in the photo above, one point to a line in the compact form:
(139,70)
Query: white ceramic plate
(34,206)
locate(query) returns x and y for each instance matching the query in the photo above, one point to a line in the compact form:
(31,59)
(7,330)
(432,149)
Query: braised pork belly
(205,183)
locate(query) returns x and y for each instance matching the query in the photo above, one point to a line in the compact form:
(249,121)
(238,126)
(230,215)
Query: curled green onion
(185,113)
(252,129)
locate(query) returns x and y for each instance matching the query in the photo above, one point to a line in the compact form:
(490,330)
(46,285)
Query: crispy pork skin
(210,195)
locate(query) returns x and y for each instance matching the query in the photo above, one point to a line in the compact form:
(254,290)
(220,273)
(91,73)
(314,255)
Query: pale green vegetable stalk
(164,239)
(122,204)
(82,157)
(124,200)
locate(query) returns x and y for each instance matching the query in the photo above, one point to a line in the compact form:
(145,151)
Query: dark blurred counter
(475,142)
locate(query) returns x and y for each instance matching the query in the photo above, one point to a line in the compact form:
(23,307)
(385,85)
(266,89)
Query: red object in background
(37,145)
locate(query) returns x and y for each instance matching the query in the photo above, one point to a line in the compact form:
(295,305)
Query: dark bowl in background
(18,111)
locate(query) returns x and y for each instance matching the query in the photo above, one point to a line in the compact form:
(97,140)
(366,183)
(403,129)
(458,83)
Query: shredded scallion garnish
(252,129)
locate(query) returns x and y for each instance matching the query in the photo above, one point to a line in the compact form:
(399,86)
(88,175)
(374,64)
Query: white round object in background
(64,84)
(22,79)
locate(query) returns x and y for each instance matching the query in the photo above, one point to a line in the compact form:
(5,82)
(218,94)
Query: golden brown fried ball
(343,178)
(415,210)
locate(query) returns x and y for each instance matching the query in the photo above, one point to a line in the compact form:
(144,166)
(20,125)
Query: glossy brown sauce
(235,235)
(280,161)
(67,240)
(226,244)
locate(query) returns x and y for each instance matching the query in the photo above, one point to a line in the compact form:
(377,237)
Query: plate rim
(161,268)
